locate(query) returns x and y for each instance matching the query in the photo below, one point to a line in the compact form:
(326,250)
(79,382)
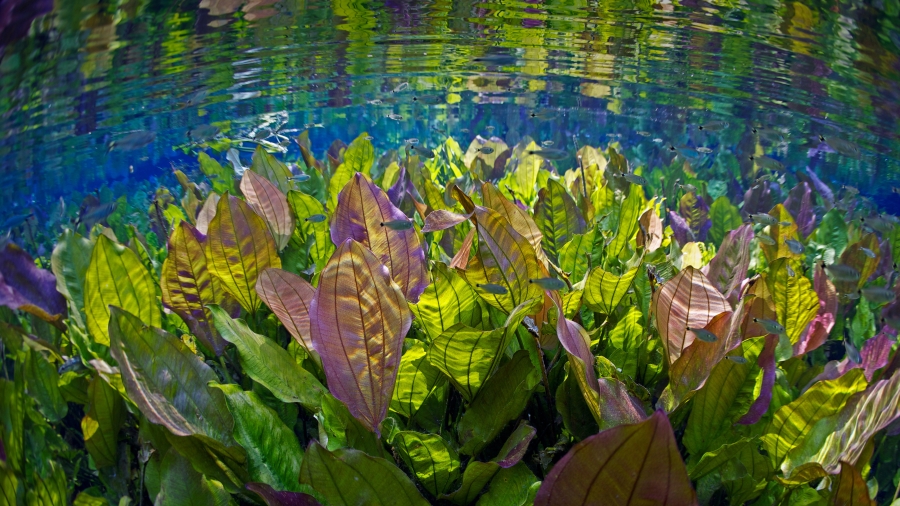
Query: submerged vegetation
(455,326)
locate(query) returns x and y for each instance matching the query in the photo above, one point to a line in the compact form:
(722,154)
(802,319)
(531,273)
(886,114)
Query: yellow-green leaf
(603,290)
(359,157)
(629,215)
(796,303)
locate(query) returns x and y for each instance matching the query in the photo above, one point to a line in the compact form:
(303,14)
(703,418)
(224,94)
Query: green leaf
(515,486)
(793,422)
(725,218)
(862,326)
(500,400)
(627,340)
(182,485)
(624,465)
(447,301)
(239,247)
(167,381)
(573,256)
(796,302)
(269,364)
(273,453)
(272,169)
(832,232)
(416,380)
(49,487)
(69,262)
(603,290)
(359,157)
(434,462)
(350,477)
(305,206)
(557,217)
(116,277)
(222,178)
(341,429)
(12,423)
(712,460)
(469,356)
(628,220)
(101,424)
(42,384)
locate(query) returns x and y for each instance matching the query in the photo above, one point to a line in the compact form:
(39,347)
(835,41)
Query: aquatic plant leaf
(182,485)
(443,219)
(116,277)
(69,263)
(780,233)
(271,204)
(274,497)
(696,214)
(207,212)
(186,286)
(447,301)
(222,178)
(514,486)
(288,296)
(416,380)
(271,169)
(687,300)
(603,291)
(557,217)
(434,462)
(102,421)
(469,356)
(855,257)
(650,231)
(350,477)
(521,221)
(504,258)
(793,422)
(166,380)
(725,218)
(359,319)
(269,364)
(757,199)
(304,207)
(273,452)
(42,385)
(629,214)
(26,287)
(796,303)
(238,247)
(680,229)
(800,204)
(362,209)
(501,400)
(602,469)
(851,488)
(767,363)
(358,157)
(573,256)
(728,269)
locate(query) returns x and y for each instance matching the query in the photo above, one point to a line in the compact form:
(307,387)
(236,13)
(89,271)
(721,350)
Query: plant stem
(225,369)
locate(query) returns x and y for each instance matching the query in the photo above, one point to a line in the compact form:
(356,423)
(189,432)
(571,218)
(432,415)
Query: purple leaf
(358,319)
(515,446)
(395,193)
(817,331)
(361,211)
(442,219)
(822,188)
(696,214)
(766,362)
(26,287)
(274,497)
(758,199)
(729,267)
(800,204)
(680,229)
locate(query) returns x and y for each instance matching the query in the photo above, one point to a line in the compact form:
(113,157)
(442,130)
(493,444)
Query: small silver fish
(401,87)
(703,335)
(841,272)
(705,150)
(133,141)
(790,270)
(794,245)
(842,146)
(369,138)
(398,224)
(486,150)
(770,326)
(657,140)
(549,154)
(851,295)
(763,238)
(713,126)
(632,178)
(737,359)
(547,143)
(202,133)
(413,141)
(376,101)
(688,188)
(300,178)
(763,219)
(877,294)
(395,117)
(15,221)
(490,129)
(869,253)
(424,152)
(548,283)
(316,218)
(493,289)
(767,162)
(643,133)
(852,352)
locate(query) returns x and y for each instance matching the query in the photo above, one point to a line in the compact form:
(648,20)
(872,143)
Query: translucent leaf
(271,204)
(447,301)
(557,217)
(603,290)
(101,423)
(628,220)
(432,460)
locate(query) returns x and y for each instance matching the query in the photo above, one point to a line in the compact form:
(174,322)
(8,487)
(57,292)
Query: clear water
(88,72)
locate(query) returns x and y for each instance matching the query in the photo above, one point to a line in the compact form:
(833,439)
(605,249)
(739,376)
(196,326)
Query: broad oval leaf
(349,477)
(728,269)
(442,219)
(780,233)
(166,380)
(627,465)
(574,255)
(557,217)
(306,207)
(361,212)
(26,287)
(504,258)
(187,288)
(796,303)
(650,231)
(271,169)
(434,462)
(69,263)
(448,300)
(239,247)
(855,257)
(603,290)
(417,379)
(800,204)
(271,204)
(359,319)
(207,212)
(101,424)
(687,300)
(519,218)
(288,296)
(359,157)
(725,218)
(851,488)
(629,215)
(269,364)
(116,277)
(182,485)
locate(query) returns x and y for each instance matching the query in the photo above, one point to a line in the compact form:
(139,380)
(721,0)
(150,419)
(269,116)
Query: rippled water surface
(759,76)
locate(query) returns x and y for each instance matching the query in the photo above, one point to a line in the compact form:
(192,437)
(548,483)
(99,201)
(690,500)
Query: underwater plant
(456,327)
